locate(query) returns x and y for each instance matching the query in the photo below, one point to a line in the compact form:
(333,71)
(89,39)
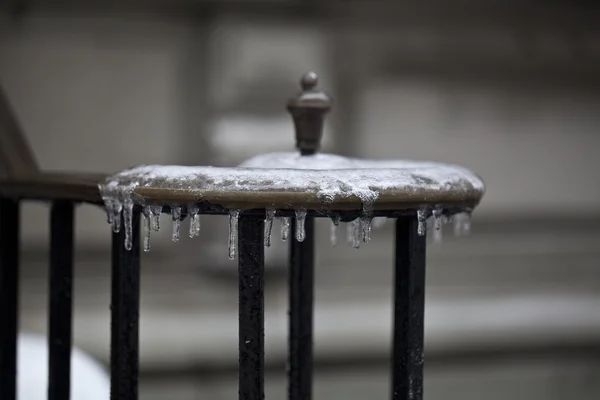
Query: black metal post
(251,308)
(301,286)
(61,302)
(409,311)
(125,306)
(9,281)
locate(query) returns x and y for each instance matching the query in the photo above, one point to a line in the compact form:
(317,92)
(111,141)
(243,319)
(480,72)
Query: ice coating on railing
(329,177)
(323,161)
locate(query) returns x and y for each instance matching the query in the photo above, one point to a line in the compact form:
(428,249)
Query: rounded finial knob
(308,110)
(309,81)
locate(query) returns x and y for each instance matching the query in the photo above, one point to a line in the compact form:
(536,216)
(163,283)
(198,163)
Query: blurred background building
(508,89)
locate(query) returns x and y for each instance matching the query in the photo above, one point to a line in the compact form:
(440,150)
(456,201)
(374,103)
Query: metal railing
(64,191)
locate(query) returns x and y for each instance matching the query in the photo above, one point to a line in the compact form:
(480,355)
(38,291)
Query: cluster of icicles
(358,230)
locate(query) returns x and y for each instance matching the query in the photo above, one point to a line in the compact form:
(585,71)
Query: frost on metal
(329,177)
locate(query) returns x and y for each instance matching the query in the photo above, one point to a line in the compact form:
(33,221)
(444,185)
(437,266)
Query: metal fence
(125,288)
(63,192)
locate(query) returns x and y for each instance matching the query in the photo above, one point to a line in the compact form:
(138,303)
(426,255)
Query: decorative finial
(309,81)
(308,110)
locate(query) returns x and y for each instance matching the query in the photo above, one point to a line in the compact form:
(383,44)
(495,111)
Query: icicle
(379,222)
(285,228)
(335,221)
(146,227)
(127,220)
(365,222)
(300,220)
(108,206)
(195,225)
(117,207)
(422,218)
(467,223)
(176,216)
(269,215)
(333,234)
(234,216)
(437,224)
(356,233)
(457,224)
(155,212)
(194,220)
(437,218)
(462,223)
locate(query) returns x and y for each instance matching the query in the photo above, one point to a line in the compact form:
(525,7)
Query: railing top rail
(387,200)
(54,186)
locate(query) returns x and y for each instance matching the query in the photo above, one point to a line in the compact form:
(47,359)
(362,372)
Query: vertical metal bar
(125,306)
(409,311)
(61,303)
(301,286)
(9,281)
(251,308)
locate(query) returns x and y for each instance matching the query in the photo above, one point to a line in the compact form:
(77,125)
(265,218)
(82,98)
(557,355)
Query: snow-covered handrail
(320,182)
(289,181)
(294,187)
